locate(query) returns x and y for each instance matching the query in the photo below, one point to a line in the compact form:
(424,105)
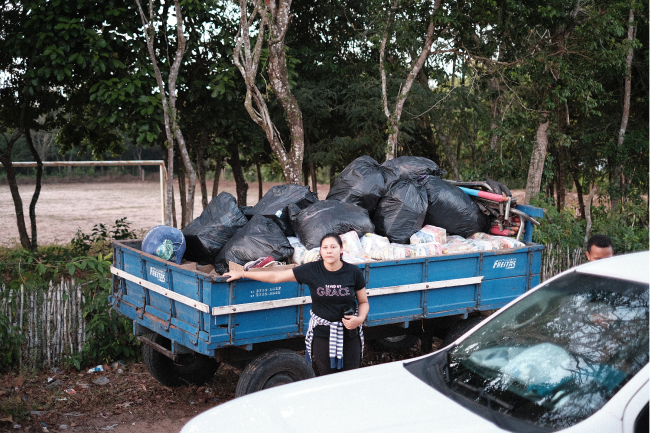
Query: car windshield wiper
(482,393)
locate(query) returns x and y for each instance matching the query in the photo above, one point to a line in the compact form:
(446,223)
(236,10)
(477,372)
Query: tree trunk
(393,117)
(550,189)
(168,99)
(576,181)
(174,221)
(592,192)
(260,194)
(561,178)
(5,158)
(311,167)
(170,205)
(181,191)
(277,18)
(494,110)
(238,173)
(217,174)
(450,152)
(536,168)
(37,190)
(314,178)
(200,151)
(332,175)
(619,184)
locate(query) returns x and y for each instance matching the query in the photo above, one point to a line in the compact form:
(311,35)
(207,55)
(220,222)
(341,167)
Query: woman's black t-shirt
(331,292)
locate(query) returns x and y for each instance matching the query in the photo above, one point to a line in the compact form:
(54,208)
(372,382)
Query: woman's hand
(352,322)
(234,275)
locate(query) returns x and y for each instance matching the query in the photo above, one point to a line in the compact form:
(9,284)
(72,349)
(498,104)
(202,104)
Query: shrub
(108,335)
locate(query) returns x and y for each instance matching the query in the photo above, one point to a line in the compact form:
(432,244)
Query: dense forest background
(548,97)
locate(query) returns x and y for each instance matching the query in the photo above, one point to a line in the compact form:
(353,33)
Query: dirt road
(62,209)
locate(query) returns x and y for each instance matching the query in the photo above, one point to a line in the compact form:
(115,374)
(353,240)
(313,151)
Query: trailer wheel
(190,369)
(273,368)
(399,342)
(462,327)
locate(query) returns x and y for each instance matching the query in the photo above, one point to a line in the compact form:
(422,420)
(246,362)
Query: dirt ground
(130,401)
(62,209)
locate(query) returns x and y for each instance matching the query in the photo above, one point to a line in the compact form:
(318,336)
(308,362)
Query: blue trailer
(189,321)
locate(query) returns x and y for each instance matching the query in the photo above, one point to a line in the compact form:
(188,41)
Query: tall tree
(417,61)
(168,94)
(619,182)
(272,18)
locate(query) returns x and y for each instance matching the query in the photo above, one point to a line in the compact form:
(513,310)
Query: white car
(570,355)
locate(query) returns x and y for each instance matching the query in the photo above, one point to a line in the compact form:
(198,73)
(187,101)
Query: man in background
(599,247)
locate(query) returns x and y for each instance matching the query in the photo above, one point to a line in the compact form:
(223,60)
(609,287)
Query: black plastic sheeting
(452,209)
(362,182)
(261,237)
(207,234)
(406,167)
(401,212)
(328,216)
(247,211)
(274,204)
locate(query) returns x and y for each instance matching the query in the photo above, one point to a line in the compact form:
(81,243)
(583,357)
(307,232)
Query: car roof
(632,267)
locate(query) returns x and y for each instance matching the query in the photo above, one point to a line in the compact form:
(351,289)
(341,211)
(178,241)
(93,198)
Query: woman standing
(334,340)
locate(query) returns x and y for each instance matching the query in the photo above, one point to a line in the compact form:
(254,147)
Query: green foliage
(627,226)
(98,240)
(10,341)
(108,335)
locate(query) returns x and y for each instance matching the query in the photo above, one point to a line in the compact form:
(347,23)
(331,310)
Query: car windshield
(558,355)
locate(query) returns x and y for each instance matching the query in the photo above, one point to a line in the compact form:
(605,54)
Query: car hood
(392,400)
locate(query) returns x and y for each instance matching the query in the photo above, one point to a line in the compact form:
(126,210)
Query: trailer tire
(273,368)
(460,328)
(398,342)
(190,369)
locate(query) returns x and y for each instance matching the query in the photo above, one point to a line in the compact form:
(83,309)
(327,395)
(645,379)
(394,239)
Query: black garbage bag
(274,204)
(400,213)
(328,216)
(452,209)
(247,211)
(362,183)
(261,237)
(207,234)
(406,167)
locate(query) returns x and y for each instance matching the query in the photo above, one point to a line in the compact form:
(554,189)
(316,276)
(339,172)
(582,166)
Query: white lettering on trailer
(266,291)
(158,274)
(505,264)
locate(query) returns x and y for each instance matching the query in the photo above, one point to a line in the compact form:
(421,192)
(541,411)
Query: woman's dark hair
(334,236)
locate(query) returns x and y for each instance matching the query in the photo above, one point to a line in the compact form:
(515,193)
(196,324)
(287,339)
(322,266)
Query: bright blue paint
(507,274)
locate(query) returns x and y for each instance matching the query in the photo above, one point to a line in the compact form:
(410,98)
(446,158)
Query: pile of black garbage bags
(394,199)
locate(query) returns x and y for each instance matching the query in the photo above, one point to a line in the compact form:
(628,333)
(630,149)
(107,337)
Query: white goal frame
(160,163)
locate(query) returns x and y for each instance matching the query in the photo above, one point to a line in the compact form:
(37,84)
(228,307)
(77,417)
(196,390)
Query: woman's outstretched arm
(263,276)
